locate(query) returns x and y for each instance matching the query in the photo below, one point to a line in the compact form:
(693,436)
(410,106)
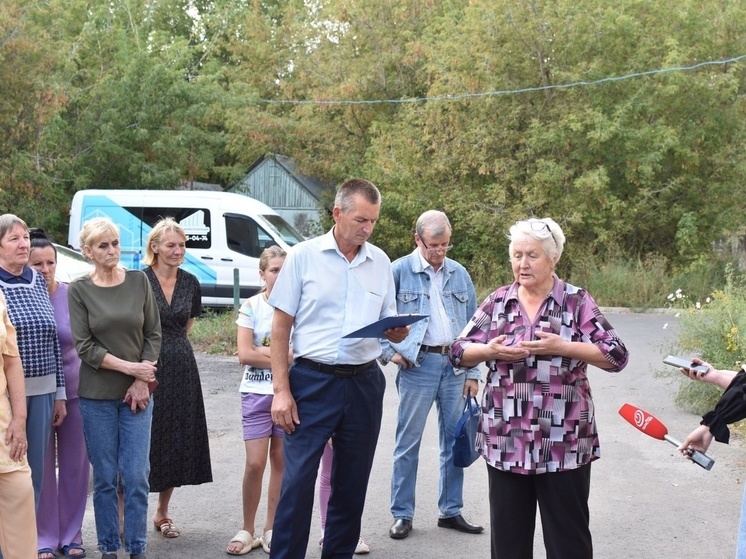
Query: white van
(225,231)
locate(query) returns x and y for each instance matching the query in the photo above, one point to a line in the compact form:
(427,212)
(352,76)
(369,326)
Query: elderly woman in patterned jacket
(538,430)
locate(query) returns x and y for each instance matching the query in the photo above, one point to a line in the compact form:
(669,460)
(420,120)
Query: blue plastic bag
(464,447)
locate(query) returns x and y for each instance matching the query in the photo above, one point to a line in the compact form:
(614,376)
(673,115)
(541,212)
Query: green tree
(618,164)
(29,104)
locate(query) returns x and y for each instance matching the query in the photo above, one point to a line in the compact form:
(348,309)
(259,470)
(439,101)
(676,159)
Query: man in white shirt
(330,286)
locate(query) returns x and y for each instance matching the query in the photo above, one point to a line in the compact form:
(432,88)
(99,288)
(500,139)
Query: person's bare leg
(256,461)
(161,512)
(277,465)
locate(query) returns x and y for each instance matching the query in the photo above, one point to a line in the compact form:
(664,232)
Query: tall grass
(645,283)
(215,332)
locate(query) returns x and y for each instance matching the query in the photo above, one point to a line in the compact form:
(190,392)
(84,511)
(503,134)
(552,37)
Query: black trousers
(563,505)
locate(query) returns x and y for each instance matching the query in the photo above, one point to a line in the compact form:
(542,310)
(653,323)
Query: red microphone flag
(644,421)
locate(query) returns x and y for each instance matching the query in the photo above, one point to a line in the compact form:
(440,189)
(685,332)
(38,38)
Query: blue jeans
(347,410)
(118,442)
(433,381)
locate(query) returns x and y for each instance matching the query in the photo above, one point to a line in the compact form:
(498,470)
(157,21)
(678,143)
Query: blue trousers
(118,444)
(433,381)
(38,431)
(347,410)
(741,542)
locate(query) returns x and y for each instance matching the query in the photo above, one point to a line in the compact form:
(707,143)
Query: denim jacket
(413,297)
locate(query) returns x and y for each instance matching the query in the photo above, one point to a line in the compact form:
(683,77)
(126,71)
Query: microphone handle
(699,458)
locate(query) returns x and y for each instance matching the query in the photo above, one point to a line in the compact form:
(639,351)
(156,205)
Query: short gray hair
(545,230)
(8,221)
(433,221)
(349,189)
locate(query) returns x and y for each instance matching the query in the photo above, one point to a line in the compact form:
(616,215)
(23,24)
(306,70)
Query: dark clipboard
(376,329)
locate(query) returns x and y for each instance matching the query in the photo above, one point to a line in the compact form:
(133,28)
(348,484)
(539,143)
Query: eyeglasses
(436,249)
(539,225)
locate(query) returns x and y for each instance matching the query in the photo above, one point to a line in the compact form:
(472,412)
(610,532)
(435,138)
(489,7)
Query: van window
(245,236)
(286,231)
(195,221)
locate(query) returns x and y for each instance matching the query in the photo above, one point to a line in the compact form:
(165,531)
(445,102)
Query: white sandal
(247,541)
(267,540)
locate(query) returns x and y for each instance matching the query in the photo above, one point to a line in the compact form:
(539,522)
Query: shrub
(215,332)
(714,329)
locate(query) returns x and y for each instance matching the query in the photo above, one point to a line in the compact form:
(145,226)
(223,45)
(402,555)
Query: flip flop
(247,541)
(66,549)
(46,551)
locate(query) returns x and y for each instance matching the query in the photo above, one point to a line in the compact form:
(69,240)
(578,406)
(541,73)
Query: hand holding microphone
(651,426)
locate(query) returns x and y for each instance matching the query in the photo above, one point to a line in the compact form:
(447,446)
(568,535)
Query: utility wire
(458,96)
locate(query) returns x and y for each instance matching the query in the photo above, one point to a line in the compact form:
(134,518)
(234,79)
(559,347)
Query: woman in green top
(117,332)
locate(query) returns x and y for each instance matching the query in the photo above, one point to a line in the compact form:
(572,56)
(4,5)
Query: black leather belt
(336,370)
(442,349)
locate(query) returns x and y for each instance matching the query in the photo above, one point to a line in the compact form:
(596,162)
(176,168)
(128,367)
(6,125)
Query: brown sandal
(167,528)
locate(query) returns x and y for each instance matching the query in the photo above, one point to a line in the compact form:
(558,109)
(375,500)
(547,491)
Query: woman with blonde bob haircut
(117,333)
(179,450)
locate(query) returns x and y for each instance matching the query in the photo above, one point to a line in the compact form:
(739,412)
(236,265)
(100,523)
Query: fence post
(236,290)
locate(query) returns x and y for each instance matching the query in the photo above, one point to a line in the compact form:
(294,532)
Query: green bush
(215,332)
(712,328)
(639,283)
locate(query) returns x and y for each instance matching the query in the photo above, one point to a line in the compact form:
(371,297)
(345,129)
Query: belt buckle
(344,372)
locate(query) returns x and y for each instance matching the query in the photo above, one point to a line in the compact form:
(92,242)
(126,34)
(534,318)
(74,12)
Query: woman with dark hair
(63,495)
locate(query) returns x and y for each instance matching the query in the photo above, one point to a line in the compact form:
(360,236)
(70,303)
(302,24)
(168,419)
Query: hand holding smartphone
(682,363)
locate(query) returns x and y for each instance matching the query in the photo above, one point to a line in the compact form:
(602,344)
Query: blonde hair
(94,229)
(156,235)
(268,254)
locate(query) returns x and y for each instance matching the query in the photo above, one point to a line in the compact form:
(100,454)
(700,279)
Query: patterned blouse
(537,413)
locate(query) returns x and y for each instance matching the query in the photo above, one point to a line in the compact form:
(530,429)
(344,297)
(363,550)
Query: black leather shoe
(400,529)
(459,523)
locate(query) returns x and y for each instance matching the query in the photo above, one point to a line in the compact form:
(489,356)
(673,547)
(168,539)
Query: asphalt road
(646,502)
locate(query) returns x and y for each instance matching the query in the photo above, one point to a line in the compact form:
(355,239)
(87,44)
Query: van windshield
(283,229)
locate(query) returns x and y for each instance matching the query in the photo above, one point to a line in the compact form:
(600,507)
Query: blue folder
(376,329)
